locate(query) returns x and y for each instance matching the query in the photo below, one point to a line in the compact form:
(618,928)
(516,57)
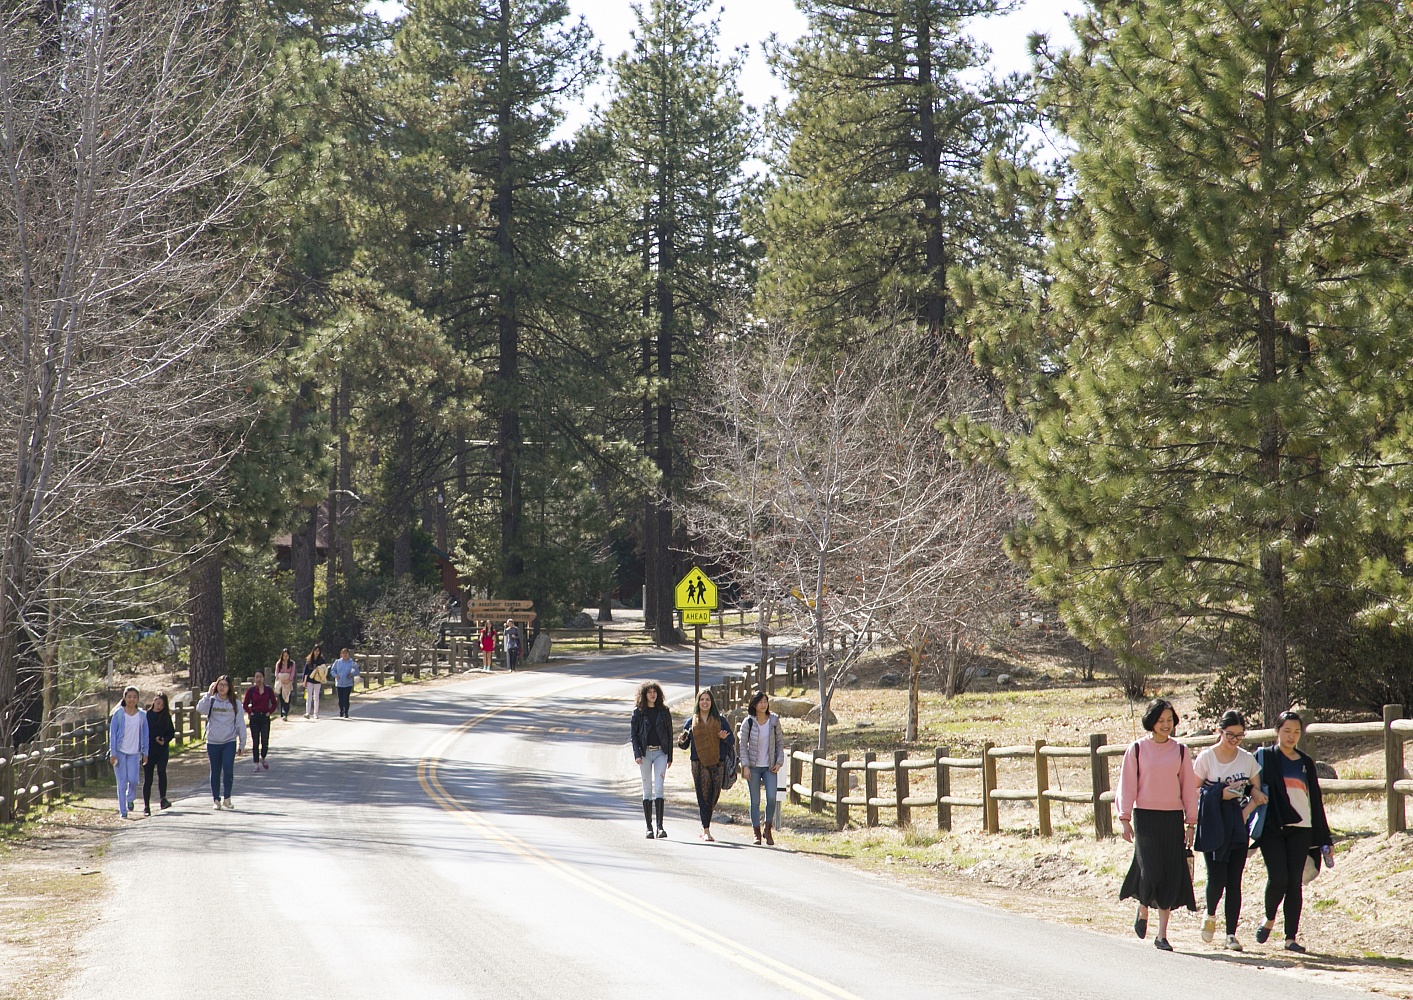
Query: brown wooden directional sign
(519,610)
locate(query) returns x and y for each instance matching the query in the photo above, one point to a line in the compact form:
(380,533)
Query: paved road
(484,840)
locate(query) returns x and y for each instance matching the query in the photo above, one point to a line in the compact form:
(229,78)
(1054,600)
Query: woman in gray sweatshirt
(225,727)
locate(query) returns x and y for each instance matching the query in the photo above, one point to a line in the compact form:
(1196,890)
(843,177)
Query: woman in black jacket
(160,732)
(1295,827)
(652,749)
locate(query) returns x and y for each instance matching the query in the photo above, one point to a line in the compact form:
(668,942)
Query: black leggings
(1285,854)
(343,694)
(260,735)
(156,761)
(1225,877)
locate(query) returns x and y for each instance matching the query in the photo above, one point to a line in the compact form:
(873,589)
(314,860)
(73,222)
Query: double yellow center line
(759,963)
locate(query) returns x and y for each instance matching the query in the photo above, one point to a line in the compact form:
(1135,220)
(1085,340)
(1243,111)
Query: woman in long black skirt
(1157,803)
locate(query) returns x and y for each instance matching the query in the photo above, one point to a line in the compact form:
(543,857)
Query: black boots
(661,833)
(648,816)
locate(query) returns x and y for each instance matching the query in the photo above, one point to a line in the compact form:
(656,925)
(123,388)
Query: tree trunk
(934,239)
(303,541)
(345,536)
(206,612)
(763,626)
(915,650)
(1275,677)
(508,373)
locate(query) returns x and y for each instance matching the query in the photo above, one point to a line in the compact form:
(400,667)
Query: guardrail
(831,780)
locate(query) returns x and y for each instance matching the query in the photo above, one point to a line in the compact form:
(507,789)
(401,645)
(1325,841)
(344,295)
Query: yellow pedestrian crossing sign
(695,592)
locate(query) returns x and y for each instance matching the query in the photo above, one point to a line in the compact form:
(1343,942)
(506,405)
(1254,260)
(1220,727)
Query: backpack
(730,763)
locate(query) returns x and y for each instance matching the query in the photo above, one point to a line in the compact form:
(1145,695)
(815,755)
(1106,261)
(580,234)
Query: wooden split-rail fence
(66,759)
(830,783)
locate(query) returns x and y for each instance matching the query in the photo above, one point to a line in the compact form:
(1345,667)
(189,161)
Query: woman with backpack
(651,734)
(162,730)
(1157,806)
(708,737)
(314,674)
(225,725)
(762,746)
(1294,831)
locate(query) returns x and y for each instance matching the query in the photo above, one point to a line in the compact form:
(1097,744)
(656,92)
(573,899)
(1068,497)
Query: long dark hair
(711,712)
(152,707)
(756,699)
(640,700)
(316,649)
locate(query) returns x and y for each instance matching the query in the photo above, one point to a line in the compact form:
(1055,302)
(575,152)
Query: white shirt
(132,732)
(1239,771)
(761,747)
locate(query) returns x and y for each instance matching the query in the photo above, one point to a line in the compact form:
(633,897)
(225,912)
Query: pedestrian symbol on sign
(696,592)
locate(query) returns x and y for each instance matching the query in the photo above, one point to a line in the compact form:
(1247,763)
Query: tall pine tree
(1221,422)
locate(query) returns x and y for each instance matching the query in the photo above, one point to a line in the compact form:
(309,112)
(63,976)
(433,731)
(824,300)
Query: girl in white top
(1232,772)
(762,755)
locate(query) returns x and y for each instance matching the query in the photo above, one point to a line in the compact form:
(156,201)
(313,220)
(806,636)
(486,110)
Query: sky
(751,22)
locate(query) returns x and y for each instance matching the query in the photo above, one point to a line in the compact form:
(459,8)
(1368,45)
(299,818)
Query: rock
(863,725)
(722,818)
(583,620)
(1003,680)
(1045,679)
(889,680)
(851,678)
(1021,671)
(1324,770)
(539,652)
(813,715)
(983,672)
(791,708)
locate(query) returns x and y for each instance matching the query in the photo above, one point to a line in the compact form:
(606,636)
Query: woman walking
(762,746)
(1157,805)
(284,683)
(127,748)
(1294,828)
(161,730)
(344,670)
(1227,795)
(651,730)
(488,646)
(225,725)
(706,735)
(259,706)
(314,673)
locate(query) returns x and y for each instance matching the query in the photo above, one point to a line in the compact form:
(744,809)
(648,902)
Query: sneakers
(132,804)
(1209,929)
(1263,933)
(166,804)
(1295,946)
(147,810)
(217,804)
(227,804)
(1233,944)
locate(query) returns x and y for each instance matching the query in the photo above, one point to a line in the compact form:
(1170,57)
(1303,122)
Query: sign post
(696,598)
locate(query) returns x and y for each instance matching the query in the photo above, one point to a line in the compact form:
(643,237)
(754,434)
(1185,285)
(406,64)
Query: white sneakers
(1233,944)
(1209,929)
(227,804)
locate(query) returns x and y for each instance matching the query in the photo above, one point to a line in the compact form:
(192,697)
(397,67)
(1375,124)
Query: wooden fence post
(68,759)
(870,790)
(796,773)
(991,809)
(1099,784)
(816,782)
(7,783)
(1042,785)
(900,788)
(1393,770)
(944,788)
(841,790)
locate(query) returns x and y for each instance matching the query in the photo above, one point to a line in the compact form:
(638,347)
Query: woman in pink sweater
(1157,803)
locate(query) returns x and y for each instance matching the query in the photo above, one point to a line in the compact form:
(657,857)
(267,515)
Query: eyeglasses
(1236,737)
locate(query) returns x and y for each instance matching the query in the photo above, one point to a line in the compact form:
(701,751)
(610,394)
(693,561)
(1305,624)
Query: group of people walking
(141,738)
(1171,805)
(510,638)
(756,749)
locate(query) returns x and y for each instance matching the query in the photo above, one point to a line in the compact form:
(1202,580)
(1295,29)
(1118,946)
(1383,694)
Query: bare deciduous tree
(123,179)
(827,485)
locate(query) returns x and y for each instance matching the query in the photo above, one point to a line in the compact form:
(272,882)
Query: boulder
(583,620)
(851,678)
(790,708)
(983,671)
(539,652)
(813,715)
(1324,771)
(1003,680)
(889,680)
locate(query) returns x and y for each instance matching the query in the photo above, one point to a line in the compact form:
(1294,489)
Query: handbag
(730,763)
(1191,863)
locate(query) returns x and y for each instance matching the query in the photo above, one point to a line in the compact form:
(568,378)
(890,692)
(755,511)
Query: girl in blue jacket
(127,748)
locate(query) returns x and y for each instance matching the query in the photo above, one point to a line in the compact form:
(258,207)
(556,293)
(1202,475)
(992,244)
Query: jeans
(757,776)
(343,693)
(222,757)
(260,735)
(1284,853)
(654,770)
(128,771)
(1224,878)
(311,698)
(156,762)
